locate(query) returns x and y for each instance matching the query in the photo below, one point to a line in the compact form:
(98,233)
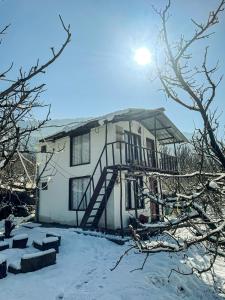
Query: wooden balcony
(132,156)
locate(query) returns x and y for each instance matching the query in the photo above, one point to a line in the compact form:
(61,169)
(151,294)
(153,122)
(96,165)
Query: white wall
(54,202)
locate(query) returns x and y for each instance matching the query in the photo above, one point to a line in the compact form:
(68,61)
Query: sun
(143,56)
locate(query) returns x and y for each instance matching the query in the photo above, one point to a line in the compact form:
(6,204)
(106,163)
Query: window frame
(71,194)
(71,149)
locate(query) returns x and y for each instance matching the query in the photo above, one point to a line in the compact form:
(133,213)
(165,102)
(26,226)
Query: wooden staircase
(97,192)
(99,198)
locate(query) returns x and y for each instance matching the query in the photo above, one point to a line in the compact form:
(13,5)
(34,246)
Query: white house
(96,168)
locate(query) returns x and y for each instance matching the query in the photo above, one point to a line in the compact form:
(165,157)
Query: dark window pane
(44,186)
(43,149)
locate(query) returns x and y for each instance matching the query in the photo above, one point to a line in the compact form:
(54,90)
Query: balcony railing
(126,154)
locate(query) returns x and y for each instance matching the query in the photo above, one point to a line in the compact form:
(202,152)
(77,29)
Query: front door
(154,207)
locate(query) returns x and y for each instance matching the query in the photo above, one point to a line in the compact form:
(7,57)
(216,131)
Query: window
(133,147)
(133,192)
(43,149)
(44,186)
(77,188)
(80,149)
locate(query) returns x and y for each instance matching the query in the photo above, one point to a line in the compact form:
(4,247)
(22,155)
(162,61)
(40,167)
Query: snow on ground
(82,272)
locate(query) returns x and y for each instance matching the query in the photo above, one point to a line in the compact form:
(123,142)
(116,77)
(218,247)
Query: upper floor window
(80,149)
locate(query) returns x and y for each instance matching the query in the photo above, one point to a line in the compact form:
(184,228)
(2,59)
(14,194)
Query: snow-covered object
(161,245)
(111,116)
(37,254)
(50,239)
(38,242)
(53,234)
(15,265)
(20,237)
(101,120)
(3,243)
(213,185)
(2,259)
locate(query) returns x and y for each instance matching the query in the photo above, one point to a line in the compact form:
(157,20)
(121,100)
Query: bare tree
(192,86)
(18,102)
(199,200)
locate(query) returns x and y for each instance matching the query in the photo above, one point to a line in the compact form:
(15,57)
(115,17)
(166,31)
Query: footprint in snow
(158,280)
(91,271)
(78,286)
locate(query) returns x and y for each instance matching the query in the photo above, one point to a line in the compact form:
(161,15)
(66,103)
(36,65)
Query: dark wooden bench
(49,234)
(34,261)
(51,242)
(20,241)
(4,245)
(3,267)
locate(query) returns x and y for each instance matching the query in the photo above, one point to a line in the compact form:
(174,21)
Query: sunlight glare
(143,56)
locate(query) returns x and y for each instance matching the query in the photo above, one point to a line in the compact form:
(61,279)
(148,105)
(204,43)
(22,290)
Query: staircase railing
(91,184)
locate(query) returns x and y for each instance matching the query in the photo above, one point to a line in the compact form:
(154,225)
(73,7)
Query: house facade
(92,173)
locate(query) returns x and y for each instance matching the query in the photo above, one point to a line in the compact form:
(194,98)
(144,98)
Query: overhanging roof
(154,120)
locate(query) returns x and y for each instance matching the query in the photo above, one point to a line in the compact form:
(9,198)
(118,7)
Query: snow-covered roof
(154,120)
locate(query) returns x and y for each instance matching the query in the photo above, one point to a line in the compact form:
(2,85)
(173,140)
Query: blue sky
(97,73)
